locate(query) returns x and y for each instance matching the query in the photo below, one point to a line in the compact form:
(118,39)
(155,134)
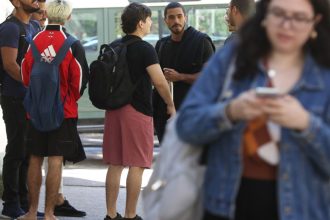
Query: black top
(140,55)
(186,56)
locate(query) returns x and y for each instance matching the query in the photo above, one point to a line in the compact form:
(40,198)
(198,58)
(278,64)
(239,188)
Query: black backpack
(110,84)
(22,44)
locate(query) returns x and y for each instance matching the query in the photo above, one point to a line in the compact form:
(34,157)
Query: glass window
(152,38)
(83,25)
(86,25)
(210,21)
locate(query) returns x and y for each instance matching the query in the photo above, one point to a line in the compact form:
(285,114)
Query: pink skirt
(128,138)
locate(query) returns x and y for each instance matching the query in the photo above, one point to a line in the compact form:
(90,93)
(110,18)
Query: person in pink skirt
(128,131)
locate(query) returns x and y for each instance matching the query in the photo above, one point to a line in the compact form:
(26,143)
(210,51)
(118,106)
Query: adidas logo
(48,54)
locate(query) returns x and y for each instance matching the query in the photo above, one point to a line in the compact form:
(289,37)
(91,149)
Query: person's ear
(234,9)
(140,24)
(16,3)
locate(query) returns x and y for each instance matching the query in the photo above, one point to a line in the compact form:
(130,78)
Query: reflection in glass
(83,26)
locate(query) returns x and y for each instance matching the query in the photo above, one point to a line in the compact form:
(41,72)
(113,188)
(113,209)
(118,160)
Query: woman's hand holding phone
(245,107)
(287,112)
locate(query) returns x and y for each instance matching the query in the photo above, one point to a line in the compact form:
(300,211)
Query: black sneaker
(118,217)
(135,218)
(12,210)
(68,210)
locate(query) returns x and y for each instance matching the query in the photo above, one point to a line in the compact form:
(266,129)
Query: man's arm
(161,86)
(173,76)
(79,70)
(80,58)
(10,65)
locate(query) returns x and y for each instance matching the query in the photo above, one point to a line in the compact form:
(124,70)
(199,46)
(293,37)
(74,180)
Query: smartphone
(268,92)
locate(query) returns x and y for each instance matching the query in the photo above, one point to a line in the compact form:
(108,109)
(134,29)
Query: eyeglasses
(298,21)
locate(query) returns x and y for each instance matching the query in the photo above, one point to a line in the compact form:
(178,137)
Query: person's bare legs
(112,185)
(53,180)
(60,196)
(133,187)
(34,184)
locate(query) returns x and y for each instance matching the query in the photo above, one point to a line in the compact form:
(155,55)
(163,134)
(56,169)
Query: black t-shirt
(173,55)
(140,55)
(172,51)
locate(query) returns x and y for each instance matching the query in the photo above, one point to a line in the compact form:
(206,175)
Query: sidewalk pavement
(84,186)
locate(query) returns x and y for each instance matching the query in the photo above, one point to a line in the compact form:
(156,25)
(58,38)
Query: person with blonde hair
(63,206)
(63,143)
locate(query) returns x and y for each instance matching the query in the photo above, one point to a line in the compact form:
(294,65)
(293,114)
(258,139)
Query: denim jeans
(15,161)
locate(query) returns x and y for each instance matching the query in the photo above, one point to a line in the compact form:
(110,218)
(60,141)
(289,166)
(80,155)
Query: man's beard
(28,8)
(174,29)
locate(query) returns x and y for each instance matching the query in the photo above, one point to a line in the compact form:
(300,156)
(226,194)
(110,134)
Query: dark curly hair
(132,15)
(254,44)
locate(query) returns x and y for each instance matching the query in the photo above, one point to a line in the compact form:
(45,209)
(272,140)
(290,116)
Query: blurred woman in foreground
(269,152)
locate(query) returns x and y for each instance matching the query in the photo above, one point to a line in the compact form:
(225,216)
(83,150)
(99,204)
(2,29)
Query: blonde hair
(58,11)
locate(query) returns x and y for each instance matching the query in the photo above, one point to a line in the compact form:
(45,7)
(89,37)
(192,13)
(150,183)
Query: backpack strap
(22,32)
(131,41)
(35,51)
(64,49)
(22,43)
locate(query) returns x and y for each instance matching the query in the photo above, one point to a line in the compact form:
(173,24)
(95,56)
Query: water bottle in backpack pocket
(43,98)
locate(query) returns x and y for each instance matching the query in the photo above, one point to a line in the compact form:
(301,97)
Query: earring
(313,35)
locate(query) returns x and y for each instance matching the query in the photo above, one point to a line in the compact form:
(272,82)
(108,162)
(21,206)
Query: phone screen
(267,92)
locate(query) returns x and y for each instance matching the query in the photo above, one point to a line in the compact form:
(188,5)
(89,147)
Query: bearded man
(182,56)
(15,34)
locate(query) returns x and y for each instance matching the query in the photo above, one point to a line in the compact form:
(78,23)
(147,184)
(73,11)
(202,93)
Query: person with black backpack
(128,131)
(15,34)
(55,71)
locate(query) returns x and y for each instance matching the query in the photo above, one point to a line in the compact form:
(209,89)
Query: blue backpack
(43,99)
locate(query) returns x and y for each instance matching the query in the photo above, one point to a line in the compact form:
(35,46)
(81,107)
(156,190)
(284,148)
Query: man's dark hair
(245,7)
(174,5)
(255,45)
(132,15)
